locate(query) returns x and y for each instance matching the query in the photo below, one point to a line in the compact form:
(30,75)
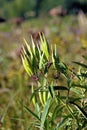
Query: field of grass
(70,36)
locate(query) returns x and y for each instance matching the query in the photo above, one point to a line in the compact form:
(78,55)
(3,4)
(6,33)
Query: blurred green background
(11,8)
(14,8)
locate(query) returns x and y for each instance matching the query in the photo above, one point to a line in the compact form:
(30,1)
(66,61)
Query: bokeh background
(64,23)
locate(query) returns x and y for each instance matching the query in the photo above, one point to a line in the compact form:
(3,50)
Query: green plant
(58,92)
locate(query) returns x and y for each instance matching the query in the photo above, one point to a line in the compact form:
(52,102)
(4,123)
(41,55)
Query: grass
(15,85)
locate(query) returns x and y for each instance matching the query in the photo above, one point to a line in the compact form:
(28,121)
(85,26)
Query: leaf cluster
(56,107)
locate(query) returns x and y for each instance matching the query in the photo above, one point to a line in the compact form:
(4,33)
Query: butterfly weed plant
(59,101)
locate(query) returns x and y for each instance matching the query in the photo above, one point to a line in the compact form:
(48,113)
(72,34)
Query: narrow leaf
(81,64)
(56,111)
(28,47)
(45,112)
(62,123)
(44,46)
(60,88)
(31,112)
(26,65)
(80,109)
(41,61)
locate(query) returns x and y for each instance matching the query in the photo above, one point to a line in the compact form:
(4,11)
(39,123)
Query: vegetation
(17,88)
(22,8)
(56,107)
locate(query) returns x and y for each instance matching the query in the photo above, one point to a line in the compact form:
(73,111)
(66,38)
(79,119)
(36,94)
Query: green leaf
(26,65)
(80,109)
(34,65)
(79,85)
(77,91)
(44,46)
(81,64)
(84,75)
(33,98)
(51,90)
(62,123)
(29,48)
(41,97)
(37,52)
(55,58)
(60,88)
(46,124)
(33,46)
(31,112)
(43,82)
(61,67)
(34,92)
(37,110)
(47,66)
(41,61)
(56,111)
(45,112)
